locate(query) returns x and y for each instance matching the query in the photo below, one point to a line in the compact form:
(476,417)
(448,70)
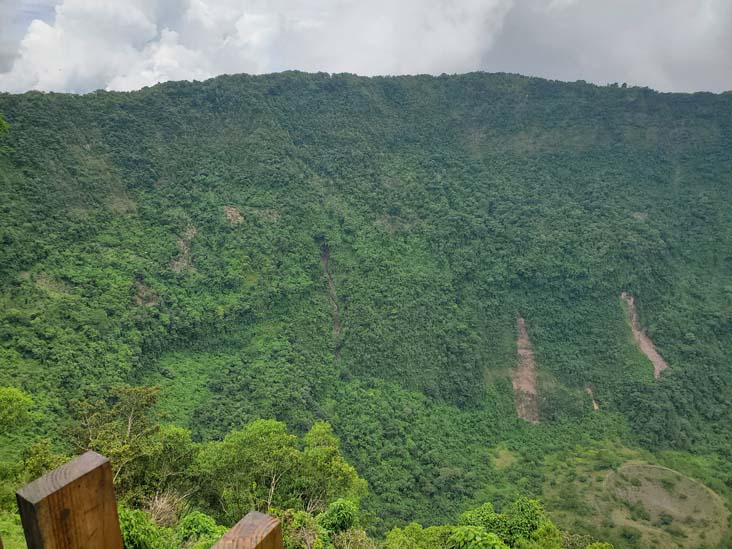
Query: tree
(341,515)
(325,474)
(166,465)
(353,539)
(124,431)
(245,470)
(14,407)
(524,517)
(40,458)
(414,536)
(474,537)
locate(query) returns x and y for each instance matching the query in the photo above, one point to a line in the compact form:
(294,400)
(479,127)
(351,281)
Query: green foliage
(197,528)
(523,526)
(14,407)
(261,466)
(123,430)
(39,458)
(11,530)
(523,519)
(139,531)
(414,536)
(324,472)
(353,538)
(309,248)
(341,515)
(301,530)
(474,537)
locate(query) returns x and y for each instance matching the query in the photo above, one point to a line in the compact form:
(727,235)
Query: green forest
(306,289)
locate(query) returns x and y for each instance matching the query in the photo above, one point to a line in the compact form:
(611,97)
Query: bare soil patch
(523,376)
(595,405)
(643,341)
(145,296)
(52,285)
(183,261)
(267,214)
(233,216)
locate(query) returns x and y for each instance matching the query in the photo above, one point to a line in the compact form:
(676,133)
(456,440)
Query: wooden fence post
(254,531)
(72,507)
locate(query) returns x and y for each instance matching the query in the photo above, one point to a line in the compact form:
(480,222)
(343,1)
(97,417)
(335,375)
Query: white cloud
(124,45)
(90,44)
(672,45)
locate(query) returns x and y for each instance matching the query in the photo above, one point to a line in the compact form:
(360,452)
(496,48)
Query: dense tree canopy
(334,265)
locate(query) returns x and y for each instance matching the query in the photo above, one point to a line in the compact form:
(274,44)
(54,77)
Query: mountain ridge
(448,205)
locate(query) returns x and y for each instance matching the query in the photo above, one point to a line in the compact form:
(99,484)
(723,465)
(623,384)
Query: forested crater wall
(174,236)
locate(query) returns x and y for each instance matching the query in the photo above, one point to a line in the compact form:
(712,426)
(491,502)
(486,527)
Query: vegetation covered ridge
(177,237)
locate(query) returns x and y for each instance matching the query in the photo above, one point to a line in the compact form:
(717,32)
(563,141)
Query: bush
(353,538)
(474,537)
(139,531)
(197,526)
(300,530)
(341,515)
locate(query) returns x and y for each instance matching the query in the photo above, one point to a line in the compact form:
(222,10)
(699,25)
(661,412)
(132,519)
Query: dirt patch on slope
(523,376)
(145,296)
(267,214)
(183,261)
(233,216)
(643,341)
(52,285)
(332,298)
(595,405)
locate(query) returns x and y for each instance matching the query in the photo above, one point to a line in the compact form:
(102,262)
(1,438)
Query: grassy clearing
(503,458)
(615,494)
(184,381)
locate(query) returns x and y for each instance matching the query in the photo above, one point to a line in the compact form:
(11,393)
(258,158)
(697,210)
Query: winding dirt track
(523,377)
(643,341)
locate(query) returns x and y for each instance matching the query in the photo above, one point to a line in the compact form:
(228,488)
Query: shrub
(474,537)
(139,531)
(197,526)
(341,515)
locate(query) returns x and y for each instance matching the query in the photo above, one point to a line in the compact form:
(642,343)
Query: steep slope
(187,222)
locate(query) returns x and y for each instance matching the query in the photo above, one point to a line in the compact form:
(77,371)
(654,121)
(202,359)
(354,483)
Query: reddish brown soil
(523,377)
(643,341)
(232,215)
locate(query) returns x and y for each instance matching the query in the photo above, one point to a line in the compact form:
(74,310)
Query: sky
(84,45)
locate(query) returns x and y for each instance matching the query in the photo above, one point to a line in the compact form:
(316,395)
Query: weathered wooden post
(254,531)
(72,507)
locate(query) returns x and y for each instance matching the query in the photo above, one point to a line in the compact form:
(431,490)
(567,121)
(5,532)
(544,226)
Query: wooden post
(254,531)
(72,507)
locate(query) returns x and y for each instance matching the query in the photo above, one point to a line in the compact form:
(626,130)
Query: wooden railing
(74,507)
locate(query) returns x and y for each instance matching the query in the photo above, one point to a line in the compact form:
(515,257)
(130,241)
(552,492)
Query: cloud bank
(83,45)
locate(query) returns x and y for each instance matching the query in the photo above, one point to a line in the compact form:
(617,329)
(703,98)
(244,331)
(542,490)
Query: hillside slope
(308,246)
